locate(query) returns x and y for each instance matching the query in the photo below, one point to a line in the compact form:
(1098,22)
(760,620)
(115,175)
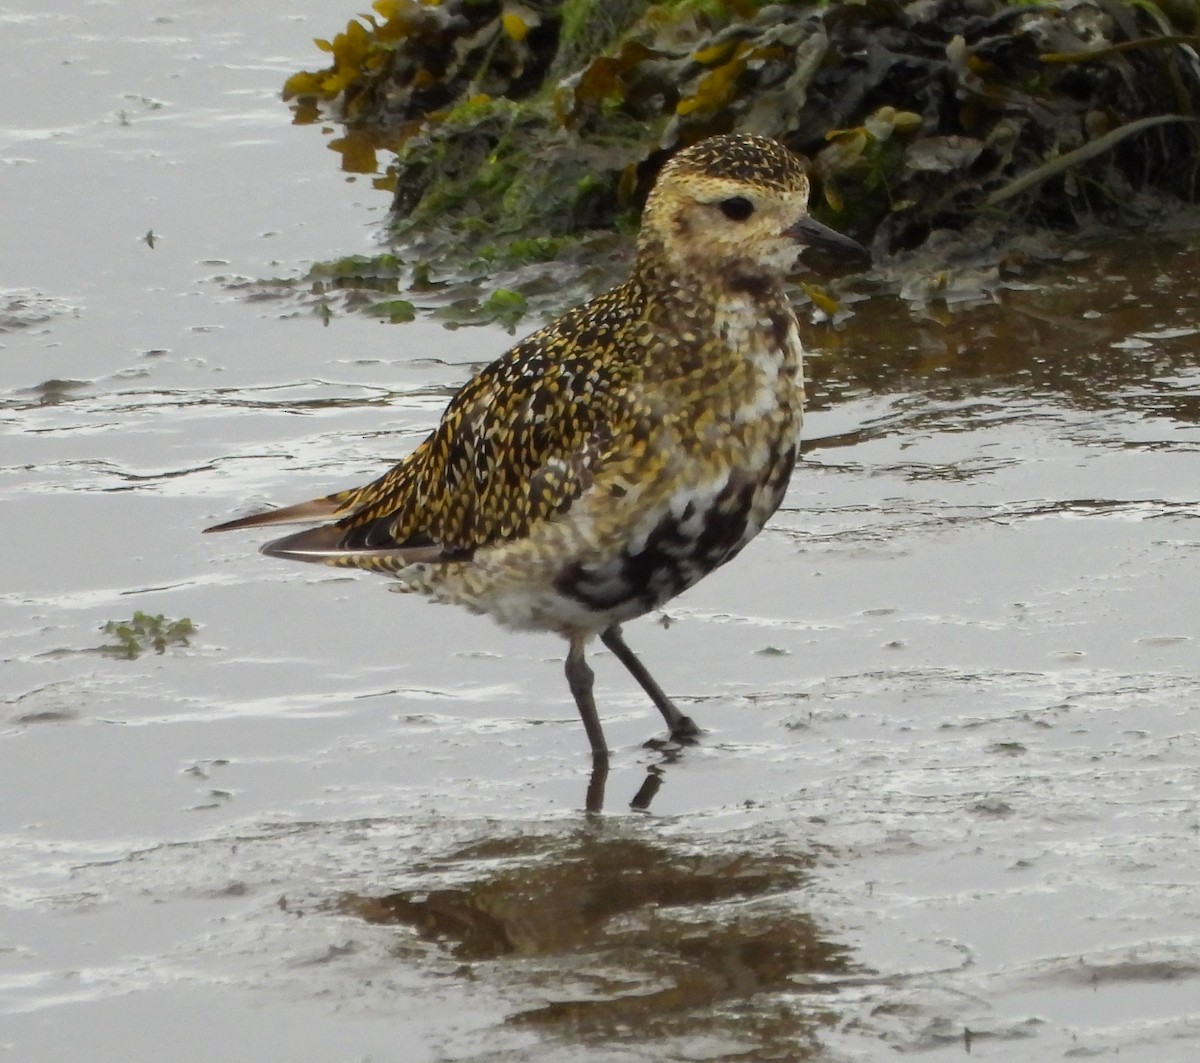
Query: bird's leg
(579,679)
(593,802)
(681,726)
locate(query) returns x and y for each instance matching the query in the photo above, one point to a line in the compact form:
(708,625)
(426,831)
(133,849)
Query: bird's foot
(685,729)
(684,732)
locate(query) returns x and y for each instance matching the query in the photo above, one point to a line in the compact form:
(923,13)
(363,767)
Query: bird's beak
(812,233)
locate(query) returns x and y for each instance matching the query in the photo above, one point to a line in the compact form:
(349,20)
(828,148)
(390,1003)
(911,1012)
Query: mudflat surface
(946,801)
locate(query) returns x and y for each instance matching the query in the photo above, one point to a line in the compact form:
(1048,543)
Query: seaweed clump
(143,632)
(516,126)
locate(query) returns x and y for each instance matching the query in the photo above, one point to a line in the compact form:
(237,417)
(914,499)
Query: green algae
(369,270)
(488,183)
(143,632)
(588,27)
(395,311)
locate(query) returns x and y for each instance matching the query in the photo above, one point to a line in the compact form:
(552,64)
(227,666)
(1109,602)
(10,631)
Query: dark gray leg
(593,802)
(579,678)
(681,726)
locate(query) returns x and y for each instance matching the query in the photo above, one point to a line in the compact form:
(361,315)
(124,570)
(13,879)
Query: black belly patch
(673,558)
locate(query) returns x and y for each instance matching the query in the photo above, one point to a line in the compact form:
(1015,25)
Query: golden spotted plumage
(515,445)
(613,458)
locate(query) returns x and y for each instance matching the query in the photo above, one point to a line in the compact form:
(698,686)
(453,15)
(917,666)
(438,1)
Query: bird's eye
(736,208)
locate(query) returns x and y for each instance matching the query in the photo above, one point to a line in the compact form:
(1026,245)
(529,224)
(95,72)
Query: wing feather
(301,513)
(516,445)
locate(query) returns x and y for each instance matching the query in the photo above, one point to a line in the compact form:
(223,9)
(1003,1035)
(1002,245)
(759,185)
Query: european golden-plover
(615,457)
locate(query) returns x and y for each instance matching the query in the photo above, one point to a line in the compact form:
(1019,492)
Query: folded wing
(517,445)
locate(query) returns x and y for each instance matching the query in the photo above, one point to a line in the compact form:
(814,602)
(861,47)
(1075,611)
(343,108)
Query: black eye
(736,208)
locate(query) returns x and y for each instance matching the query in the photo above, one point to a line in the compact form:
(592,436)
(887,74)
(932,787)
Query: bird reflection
(655,776)
(610,933)
(650,787)
(594,799)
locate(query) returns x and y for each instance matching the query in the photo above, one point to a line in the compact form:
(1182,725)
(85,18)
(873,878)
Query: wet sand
(946,797)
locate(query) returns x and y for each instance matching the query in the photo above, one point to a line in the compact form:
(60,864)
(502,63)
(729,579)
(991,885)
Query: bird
(613,458)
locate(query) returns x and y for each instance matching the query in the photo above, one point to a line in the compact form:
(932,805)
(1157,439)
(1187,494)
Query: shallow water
(946,799)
